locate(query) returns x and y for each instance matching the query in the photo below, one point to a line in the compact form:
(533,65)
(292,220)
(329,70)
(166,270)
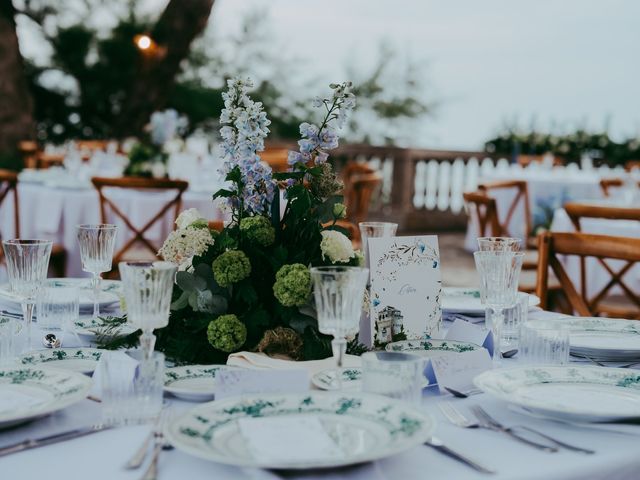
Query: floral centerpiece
(148,158)
(248,287)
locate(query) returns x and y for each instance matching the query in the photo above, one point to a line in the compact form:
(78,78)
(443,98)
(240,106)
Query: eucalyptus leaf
(189,282)
(181,302)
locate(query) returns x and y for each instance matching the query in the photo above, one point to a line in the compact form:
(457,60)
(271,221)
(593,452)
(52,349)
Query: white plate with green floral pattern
(91,327)
(363,427)
(31,392)
(431,347)
(467,301)
(82,360)
(195,383)
(350,379)
(574,393)
(109,292)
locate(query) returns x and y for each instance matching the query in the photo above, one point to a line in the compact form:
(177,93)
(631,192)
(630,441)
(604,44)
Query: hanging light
(144,42)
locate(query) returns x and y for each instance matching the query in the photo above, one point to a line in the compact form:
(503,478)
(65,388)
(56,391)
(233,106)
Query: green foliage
(258,230)
(293,285)
(231,267)
(227,333)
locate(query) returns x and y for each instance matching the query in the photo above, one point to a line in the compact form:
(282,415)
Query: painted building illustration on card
(405,288)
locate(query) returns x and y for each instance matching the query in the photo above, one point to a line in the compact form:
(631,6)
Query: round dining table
(102,456)
(52,211)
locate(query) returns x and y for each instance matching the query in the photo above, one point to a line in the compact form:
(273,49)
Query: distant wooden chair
(9,185)
(607,185)
(217,225)
(485,211)
(520,200)
(145,184)
(601,247)
(276,158)
(361,182)
(632,165)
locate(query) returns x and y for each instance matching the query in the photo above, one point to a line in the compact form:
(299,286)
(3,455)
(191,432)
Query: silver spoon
(51,341)
(509,353)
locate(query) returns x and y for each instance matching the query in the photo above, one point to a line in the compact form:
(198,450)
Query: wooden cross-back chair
(276,158)
(606,184)
(601,247)
(9,186)
(361,182)
(486,212)
(521,198)
(134,183)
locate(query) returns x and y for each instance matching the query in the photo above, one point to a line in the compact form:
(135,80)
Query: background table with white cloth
(547,189)
(52,212)
(101,456)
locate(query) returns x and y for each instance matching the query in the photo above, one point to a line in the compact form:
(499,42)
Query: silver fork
(138,458)
(479,411)
(457,418)
(151,473)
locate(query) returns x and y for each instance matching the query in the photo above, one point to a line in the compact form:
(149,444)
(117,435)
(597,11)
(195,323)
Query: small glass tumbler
(498,244)
(514,318)
(394,374)
(543,342)
(131,387)
(8,331)
(58,307)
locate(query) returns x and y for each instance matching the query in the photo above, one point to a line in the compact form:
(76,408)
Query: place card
(234,382)
(463,331)
(405,288)
(458,371)
(288,439)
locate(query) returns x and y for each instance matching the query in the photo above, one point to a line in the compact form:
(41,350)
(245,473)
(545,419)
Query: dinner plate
(91,327)
(82,360)
(363,427)
(574,393)
(109,295)
(192,382)
(600,338)
(431,347)
(31,392)
(467,300)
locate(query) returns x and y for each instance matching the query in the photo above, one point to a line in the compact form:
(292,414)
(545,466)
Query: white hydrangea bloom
(188,217)
(181,245)
(336,246)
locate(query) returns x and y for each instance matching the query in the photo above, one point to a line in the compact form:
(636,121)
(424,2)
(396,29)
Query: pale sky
(567,64)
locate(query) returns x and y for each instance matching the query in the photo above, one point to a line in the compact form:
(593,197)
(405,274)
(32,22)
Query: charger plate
(40,391)
(80,359)
(467,300)
(574,393)
(364,427)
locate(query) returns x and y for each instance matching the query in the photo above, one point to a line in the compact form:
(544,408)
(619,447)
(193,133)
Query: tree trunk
(180,23)
(16,105)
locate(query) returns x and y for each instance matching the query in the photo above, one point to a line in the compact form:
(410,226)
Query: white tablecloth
(53,213)
(548,190)
(101,456)
(597,276)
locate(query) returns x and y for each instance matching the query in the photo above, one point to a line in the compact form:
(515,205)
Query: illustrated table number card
(405,288)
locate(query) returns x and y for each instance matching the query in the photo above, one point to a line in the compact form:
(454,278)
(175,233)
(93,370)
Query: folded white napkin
(117,376)
(262,361)
(11,400)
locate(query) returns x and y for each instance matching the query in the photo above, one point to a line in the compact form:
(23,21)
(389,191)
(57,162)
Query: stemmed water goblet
(27,265)
(147,290)
(499,275)
(339,293)
(97,243)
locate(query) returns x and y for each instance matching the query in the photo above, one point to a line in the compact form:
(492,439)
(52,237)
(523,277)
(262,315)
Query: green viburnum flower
(231,267)
(293,285)
(227,333)
(258,229)
(339,210)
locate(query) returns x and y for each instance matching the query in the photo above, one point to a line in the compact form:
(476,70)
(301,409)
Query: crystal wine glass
(499,274)
(338,294)
(374,230)
(97,243)
(27,265)
(147,290)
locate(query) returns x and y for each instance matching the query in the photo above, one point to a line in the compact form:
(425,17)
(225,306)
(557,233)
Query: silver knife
(437,444)
(30,443)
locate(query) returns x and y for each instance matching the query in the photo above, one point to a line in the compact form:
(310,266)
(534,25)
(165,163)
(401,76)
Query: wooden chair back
(135,183)
(601,247)
(276,158)
(521,198)
(486,212)
(359,189)
(9,186)
(609,184)
(217,225)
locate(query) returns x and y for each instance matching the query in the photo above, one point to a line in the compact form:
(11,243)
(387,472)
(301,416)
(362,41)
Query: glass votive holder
(132,387)
(8,331)
(374,230)
(394,374)
(514,318)
(543,342)
(498,244)
(58,307)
